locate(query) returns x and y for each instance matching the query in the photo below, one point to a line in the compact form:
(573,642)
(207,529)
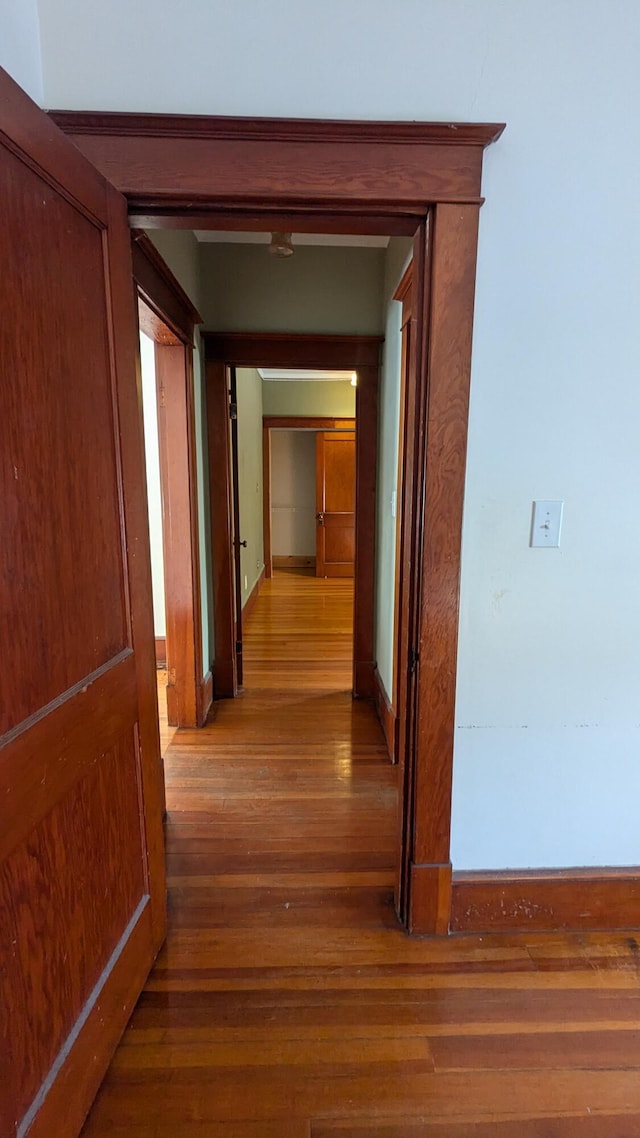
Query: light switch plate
(546,523)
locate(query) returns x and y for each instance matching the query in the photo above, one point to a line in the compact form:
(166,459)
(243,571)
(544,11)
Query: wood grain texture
(81,864)
(547,899)
(448,366)
(165,162)
(287,1000)
(273,349)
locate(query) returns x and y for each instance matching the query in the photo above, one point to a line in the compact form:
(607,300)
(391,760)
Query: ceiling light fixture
(281,245)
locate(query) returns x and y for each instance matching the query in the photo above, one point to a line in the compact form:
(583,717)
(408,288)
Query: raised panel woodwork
(55,940)
(81,794)
(61,568)
(335,503)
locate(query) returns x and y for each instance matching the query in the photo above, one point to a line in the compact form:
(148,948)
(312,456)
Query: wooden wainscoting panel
(542,900)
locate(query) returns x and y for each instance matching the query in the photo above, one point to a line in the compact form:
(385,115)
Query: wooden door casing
(352,177)
(82,879)
(335,503)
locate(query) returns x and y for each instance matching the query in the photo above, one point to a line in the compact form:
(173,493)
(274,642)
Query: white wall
(20,45)
(318,289)
(293,493)
(546,763)
(154,496)
(249,395)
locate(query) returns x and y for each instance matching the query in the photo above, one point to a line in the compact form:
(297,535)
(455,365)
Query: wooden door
(335,503)
(82,889)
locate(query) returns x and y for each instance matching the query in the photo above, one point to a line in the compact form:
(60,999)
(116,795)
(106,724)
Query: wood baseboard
(204,698)
(546,900)
(253,596)
(386,715)
(280,561)
(161,651)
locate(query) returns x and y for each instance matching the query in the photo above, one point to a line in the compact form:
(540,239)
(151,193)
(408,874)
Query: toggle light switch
(546,522)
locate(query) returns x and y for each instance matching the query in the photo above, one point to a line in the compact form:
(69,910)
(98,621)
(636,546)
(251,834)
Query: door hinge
(238,647)
(414,657)
(233,410)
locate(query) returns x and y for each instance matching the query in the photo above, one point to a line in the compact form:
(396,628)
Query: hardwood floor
(287,1003)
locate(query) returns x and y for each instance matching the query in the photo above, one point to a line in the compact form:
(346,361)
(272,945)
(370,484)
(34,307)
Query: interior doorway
(329,353)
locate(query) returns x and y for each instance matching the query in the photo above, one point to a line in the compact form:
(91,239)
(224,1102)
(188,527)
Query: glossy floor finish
(287,1003)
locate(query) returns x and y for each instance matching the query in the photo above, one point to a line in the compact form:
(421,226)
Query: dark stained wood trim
(221,528)
(386,715)
(250,602)
(180,534)
(266,500)
(268,220)
(205,698)
(288,349)
(542,900)
(161,651)
(161,291)
(448,362)
(168,164)
(392,177)
(119,124)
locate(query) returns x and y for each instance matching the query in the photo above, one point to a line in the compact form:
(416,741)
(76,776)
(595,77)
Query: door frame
(196,172)
(287,423)
(168,317)
(287,350)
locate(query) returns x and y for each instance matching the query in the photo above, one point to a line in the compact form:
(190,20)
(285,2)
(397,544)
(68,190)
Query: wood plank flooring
(287,1003)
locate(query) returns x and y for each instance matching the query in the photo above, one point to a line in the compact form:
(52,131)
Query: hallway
(286,1002)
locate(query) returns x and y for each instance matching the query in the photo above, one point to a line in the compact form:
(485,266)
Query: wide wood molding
(543,900)
(344,177)
(169,164)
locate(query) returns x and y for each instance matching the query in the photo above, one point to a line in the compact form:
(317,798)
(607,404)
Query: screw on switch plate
(546,523)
